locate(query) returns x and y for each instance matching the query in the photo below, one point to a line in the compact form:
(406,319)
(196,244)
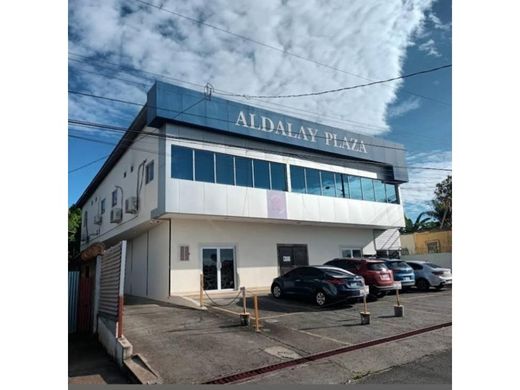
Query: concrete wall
(143,148)
(255,247)
(442,259)
(147,267)
(417,243)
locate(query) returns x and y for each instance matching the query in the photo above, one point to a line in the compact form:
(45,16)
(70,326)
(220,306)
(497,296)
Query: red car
(375,272)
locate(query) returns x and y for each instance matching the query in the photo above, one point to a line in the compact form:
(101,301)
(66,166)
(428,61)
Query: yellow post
(201,290)
(257,319)
(244,299)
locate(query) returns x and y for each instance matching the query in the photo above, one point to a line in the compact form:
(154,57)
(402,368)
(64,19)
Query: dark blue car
(321,283)
(402,272)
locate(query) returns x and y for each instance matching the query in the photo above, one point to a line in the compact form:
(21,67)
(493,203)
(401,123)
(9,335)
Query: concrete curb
(140,371)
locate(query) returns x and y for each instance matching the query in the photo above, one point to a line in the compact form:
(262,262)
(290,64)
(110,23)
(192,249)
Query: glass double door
(218,268)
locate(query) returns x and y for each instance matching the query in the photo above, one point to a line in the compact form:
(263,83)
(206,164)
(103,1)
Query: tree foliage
(74,230)
(440,215)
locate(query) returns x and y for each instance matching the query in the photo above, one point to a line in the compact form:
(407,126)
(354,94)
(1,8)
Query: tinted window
(433,265)
(328,185)
(311,273)
(397,264)
(415,266)
(313,181)
(391,195)
(244,169)
(377,267)
(297,179)
(261,177)
(278,177)
(354,184)
(379,188)
(368,189)
(182,163)
(224,168)
(336,274)
(204,166)
(294,273)
(341,185)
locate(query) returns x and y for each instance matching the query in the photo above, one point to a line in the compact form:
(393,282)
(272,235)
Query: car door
(289,281)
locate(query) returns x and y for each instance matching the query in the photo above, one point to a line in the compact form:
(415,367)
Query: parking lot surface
(193,346)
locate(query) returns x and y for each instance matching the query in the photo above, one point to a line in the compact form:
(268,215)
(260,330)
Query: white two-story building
(200,184)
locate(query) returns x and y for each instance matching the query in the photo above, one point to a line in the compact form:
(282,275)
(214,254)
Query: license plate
(385,277)
(406,278)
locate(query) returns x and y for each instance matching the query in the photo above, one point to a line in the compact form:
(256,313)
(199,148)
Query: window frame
(149,172)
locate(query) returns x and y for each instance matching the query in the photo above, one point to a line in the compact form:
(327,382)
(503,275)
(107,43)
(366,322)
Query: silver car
(428,275)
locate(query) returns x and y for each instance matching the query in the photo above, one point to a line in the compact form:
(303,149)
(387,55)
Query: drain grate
(321,355)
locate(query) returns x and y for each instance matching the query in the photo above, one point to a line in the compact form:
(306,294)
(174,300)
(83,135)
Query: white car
(428,275)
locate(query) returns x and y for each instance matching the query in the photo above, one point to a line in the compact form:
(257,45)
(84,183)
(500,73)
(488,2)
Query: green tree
(422,222)
(74,231)
(441,204)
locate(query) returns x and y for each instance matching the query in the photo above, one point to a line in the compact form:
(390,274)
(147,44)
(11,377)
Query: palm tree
(419,224)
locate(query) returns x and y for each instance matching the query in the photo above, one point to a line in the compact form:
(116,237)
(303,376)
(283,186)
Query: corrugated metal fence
(73,300)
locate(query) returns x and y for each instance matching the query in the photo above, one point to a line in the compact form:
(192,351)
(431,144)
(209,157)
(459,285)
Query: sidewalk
(90,364)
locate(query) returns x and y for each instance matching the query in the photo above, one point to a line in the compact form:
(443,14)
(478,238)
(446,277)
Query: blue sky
(363,39)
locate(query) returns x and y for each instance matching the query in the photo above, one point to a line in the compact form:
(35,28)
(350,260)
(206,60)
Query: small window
(354,184)
(182,163)
(149,172)
(434,246)
(351,253)
(224,168)
(261,174)
(368,189)
(341,185)
(114,198)
(103,206)
(244,171)
(312,176)
(278,177)
(328,184)
(297,179)
(391,194)
(184,253)
(204,166)
(379,188)
(124,174)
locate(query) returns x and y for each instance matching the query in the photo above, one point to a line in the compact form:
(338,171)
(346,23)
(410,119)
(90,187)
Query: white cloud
(404,107)
(419,191)
(429,48)
(368,39)
(437,22)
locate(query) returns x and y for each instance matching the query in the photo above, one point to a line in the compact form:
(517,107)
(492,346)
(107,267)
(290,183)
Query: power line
(167,136)
(281,50)
(306,112)
(341,89)
(88,164)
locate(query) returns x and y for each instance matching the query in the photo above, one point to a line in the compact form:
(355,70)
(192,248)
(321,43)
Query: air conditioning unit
(131,205)
(98,219)
(116,215)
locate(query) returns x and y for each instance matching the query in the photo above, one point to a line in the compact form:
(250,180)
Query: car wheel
(423,285)
(320,298)
(439,287)
(276,290)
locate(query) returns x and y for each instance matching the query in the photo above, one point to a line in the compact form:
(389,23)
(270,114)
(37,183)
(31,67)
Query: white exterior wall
(199,198)
(255,245)
(144,148)
(148,263)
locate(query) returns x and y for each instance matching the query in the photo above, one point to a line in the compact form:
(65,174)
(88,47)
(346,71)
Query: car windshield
(377,267)
(433,265)
(398,264)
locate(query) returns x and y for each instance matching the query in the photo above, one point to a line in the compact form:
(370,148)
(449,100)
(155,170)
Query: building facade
(200,184)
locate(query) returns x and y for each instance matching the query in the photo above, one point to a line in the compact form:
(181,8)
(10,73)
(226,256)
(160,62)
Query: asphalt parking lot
(192,346)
